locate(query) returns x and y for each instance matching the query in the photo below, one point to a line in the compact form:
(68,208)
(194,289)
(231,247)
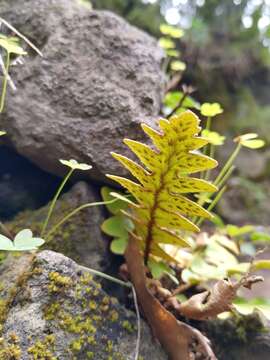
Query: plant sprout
(73,165)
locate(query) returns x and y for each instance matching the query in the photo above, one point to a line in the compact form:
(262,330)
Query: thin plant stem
(4,89)
(56,196)
(228,164)
(129,285)
(211,154)
(179,105)
(137,349)
(74,212)
(213,203)
(226,176)
(106,276)
(207,127)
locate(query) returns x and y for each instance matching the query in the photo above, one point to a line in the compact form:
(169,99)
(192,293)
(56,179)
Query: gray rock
(99,78)
(80,237)
(59,311)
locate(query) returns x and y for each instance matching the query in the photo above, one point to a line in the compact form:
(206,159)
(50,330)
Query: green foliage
(211,110)
(250,141)
(213,137)
(11,45)
(23,241)
(162,210)
(178,101)
(246,307)
(118,225)
(172,31)
(74,165)
(177,65)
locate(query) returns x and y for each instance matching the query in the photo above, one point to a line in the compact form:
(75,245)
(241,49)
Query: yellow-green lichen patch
(43,349)
(10,350)
(88,317)
(128,326)
(59,282)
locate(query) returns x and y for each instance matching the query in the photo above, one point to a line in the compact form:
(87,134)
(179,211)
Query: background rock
(22,184)
(60,312)
(99,78)
(80,237)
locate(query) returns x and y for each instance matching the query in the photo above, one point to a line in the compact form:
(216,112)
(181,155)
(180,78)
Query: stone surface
(60,312)
(80,237)
(22,184)
(99,78)
(245,201)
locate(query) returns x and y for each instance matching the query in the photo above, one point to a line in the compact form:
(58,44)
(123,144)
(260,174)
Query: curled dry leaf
(176,337)
(210,304)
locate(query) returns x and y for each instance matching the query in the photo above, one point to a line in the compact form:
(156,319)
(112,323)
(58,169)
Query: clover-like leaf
(23,241)
(73,164)
(173,53)
(177,65)
(166,43)
(250,141)
(115,226)
(115,207)
(118,245)
(213,137)
(211,110)
(10,44)
(170,30)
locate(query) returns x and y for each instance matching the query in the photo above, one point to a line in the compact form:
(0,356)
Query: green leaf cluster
(163,210)
(118,225)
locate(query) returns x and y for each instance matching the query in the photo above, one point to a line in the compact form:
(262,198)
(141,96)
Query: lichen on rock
(60,311)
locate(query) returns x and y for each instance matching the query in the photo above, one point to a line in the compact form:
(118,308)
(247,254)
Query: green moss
(43,350)
(10,350)
(59,282)
(128,326)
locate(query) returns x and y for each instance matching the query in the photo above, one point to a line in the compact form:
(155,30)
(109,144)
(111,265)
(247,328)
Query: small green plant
(11,46)
(72,165)
(118,225)
(23,241)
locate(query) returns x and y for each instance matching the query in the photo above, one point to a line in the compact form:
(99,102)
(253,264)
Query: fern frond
(162,210)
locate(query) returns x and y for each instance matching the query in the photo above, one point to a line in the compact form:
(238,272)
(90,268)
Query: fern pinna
(162,209)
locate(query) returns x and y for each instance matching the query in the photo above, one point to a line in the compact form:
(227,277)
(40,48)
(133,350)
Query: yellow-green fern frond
(162,210)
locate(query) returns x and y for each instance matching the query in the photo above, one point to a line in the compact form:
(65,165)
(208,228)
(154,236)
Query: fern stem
(52,206)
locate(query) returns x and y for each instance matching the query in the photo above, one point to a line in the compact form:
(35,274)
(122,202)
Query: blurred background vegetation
(226,51)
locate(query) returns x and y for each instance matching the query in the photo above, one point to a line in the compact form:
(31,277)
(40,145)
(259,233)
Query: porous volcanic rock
(98,79)
(55,309)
